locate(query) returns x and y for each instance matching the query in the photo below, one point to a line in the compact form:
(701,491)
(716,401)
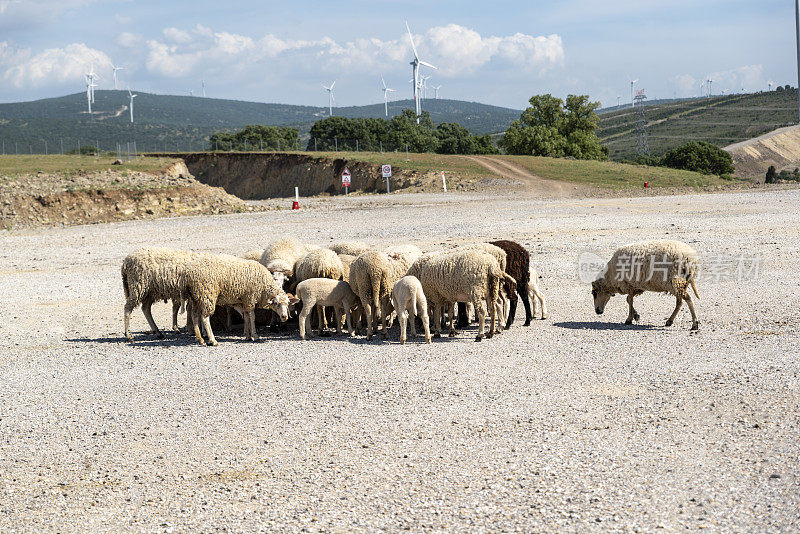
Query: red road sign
(346,177)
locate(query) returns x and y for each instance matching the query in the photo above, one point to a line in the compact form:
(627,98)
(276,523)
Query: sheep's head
(280,305)
(601,296)
(281,277)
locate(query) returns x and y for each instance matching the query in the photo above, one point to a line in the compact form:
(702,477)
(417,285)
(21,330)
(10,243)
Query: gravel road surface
(575,423)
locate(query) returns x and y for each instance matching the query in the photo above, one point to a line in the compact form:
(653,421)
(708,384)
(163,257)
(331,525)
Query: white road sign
(386,171)
(346,177)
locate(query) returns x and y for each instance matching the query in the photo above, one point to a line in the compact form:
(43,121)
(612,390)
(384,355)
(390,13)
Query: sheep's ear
(293,299)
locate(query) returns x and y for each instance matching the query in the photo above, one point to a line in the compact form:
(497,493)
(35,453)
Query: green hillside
(171,123)
(721,120)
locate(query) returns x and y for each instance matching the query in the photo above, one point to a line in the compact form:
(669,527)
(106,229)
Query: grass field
(14,165)
(607,174)
(721,120)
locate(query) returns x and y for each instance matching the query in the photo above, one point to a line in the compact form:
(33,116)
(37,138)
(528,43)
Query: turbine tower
(330,97)
(633,82)
(415,80)
(436,89)
(115,69)
(131,96)
(203,83)
(619,98)
(89,93)
(386,91)
(424,85)
(710,81)
(92,76)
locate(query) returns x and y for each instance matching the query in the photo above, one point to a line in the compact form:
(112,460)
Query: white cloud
(686,84)
(129,40)
(52,66)
(176,36)
(749,77)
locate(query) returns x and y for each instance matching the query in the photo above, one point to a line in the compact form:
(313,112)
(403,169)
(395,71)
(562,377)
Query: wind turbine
(769,85)
(92,75)
(386,92)
(633,82)
(436,88)
(115,69)
(415,74)
(710,81)
(131,96)
(619,98)
(203,83)
(89,93)
(330,97)
(424,85)
(702,84)
(191,92)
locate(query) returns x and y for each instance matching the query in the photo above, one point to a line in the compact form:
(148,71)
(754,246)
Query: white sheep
(372,276)
(152,274)
(409,300)
(224,280)
(535,293)
(347,261)
(321,292)
(664,266)
(351,248)
(409,251)
(254,254)
(283,253)
(319,263)
(461,276)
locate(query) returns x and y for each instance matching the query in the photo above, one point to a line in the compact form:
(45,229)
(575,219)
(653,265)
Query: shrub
(699,156)
(770,178)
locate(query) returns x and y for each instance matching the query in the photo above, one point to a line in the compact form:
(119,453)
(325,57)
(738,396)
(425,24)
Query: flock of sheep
(350,283)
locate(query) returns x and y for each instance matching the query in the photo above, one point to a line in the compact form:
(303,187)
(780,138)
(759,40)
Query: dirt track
(533,184)
(576,423)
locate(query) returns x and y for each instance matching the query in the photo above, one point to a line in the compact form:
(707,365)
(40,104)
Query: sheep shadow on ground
(600,325)
(142,339)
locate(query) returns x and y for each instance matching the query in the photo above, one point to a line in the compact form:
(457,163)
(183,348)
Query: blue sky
(494,52)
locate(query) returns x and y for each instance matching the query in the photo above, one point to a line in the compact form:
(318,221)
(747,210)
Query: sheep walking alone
(152,274)
(409,301)
(224,280)
(662,266)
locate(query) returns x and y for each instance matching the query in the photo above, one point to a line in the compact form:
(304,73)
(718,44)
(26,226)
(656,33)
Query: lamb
(319,263)
(534,293)
(409,300)
(461,276)
(322,292)
(351,248)
(151,274)
(224,280)
(518,267)
(663,266)
(372,276)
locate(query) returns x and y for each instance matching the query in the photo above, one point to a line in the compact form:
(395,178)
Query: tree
(404,130)
(699,156)
(550,127)
(455,139)
(770,179)
(256,137)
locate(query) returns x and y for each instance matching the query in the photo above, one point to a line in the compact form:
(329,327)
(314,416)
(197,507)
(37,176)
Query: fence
(133,147)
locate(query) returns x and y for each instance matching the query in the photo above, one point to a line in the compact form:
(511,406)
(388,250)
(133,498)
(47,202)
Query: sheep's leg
(463,315)
(176,306)
(323,321)
(402,318)
(196,325)
(482,320)
(690,303)
(368,317)
(253,332)
(633,315)
(338,311)
(437,319)
(209,332)
(522,290)
(412,316)
(146,304)
(129,306)
(493,317)
(535,292)
(348,318)
(189,316)
(423,315)
(512,311)
(452,309)
(229,320)
(303,320)
(678,304)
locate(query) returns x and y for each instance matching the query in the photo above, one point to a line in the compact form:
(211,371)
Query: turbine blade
(334,83)
(428,65)
(411,38)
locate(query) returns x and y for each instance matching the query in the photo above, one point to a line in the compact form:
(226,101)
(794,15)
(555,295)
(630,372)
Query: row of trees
(397,133)
(256,137)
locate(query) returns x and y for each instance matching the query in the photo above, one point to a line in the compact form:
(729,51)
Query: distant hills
(721,120)
(164,122)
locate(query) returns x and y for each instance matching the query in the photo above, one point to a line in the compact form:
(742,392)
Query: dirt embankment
(256,176)
(780,148)
(114,195)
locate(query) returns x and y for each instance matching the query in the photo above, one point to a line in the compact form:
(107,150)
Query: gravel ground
(575,423)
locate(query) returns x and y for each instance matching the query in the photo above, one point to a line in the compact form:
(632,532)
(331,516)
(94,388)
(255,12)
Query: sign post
(386,171)
(346,180)
(444,183)
(296,203)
